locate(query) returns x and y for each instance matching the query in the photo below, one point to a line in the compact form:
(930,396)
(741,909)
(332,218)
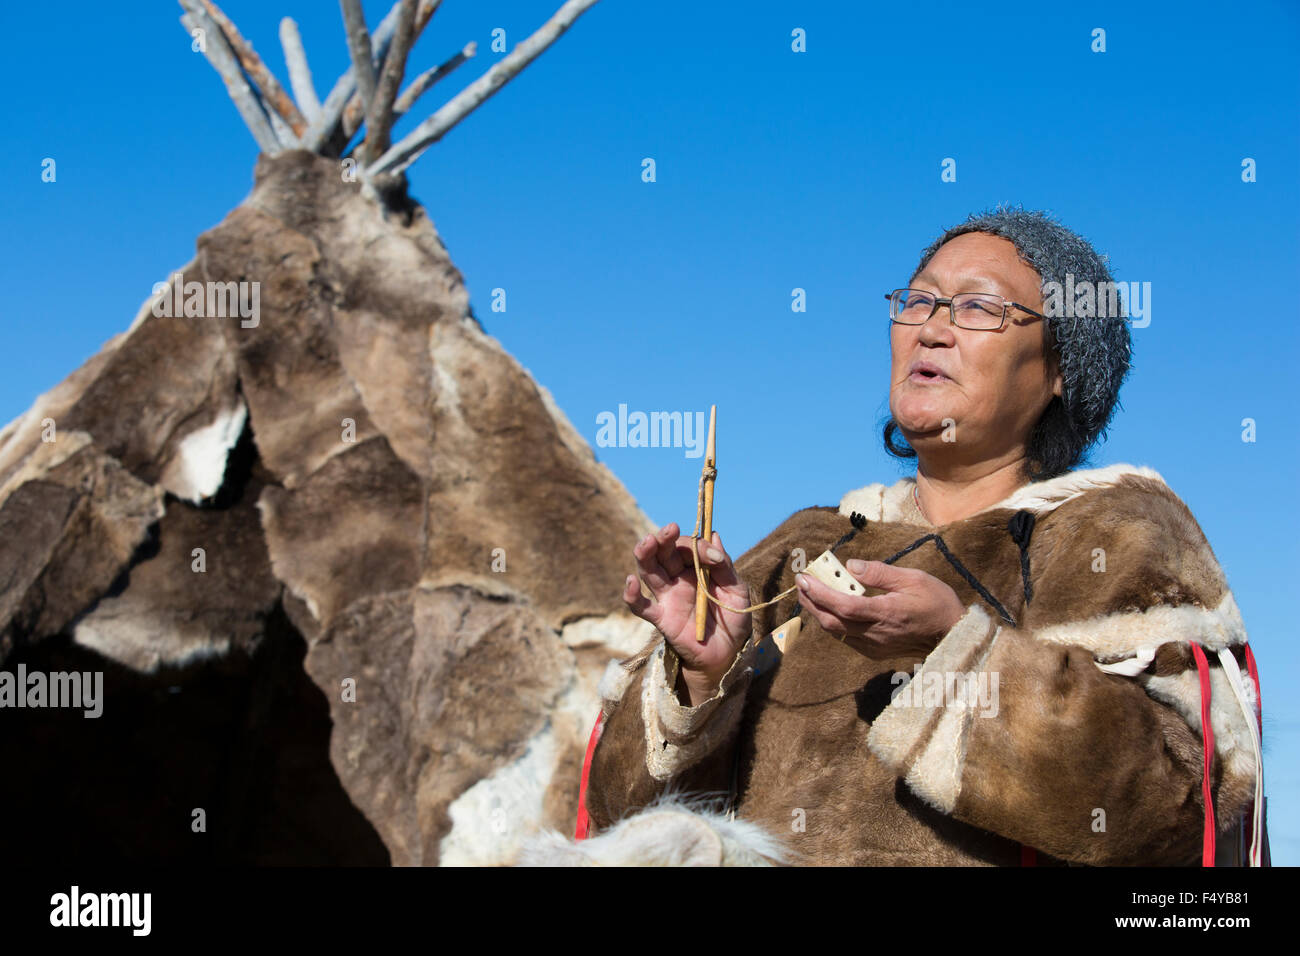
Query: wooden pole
(222,58)
(295,57)
(429,77)
(379,114)
(354,22)
(323,128)
(353,113)
(272,92)
(710,474)
(407,150)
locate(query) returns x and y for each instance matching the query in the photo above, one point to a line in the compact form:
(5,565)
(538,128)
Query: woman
(1024,687)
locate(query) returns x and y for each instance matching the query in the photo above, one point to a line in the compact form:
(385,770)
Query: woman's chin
(927,430)
(921,421)
(921,437)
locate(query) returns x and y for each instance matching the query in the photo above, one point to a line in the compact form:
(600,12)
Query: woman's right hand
(664,561)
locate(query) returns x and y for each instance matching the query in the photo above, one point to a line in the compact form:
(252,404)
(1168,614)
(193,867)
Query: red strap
(1207,736)
(581,832)
(1028,856)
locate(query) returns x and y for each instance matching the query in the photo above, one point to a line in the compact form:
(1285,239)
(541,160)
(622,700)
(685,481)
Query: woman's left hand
(912,616)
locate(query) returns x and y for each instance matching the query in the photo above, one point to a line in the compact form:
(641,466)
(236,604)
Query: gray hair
(1094,353)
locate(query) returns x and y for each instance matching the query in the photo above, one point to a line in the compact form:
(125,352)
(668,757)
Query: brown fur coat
(842,762)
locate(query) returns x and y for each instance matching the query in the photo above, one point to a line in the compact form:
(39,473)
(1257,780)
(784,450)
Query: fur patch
(613,684)
(501,804)
(199,465)
(619,633)
(674,830)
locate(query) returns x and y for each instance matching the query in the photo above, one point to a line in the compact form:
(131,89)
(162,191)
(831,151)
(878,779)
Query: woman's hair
(1093,353)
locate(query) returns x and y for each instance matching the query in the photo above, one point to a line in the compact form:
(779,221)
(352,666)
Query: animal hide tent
(303,512)
(385,496)
(1080,735)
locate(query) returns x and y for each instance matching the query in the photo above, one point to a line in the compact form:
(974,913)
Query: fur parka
(1062,712)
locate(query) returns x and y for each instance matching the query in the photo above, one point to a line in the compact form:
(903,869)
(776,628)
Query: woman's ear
(1054,370)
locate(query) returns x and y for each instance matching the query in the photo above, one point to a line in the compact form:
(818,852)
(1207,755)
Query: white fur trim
(1113,637)
(936,774)
(868,500)
(1232,735)
(1040,496)
(902,725)
(677,737)
(879,502)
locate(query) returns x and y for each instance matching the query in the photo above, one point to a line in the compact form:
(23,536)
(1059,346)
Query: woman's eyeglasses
(968,310)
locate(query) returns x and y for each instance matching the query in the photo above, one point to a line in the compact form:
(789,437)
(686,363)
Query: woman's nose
(939,325)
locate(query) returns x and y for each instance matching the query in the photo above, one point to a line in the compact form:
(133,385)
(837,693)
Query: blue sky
(775,170)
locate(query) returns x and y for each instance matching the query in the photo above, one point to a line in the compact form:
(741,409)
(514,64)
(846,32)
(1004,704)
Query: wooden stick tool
(709,474)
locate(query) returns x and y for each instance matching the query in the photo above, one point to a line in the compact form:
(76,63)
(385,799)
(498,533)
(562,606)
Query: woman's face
(995,385)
